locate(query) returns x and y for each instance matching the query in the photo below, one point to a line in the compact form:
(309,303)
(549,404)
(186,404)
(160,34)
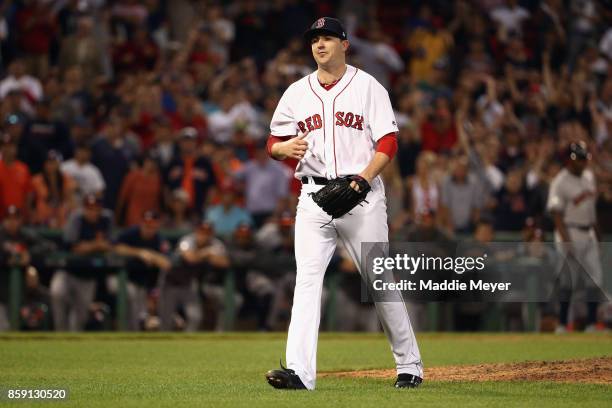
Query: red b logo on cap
(320,23)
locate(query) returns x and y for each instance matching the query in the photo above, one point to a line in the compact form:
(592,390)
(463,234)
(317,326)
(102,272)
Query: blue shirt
(265,184)
(225,223)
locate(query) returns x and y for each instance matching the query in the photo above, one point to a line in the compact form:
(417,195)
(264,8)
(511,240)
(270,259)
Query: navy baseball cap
(326,25)
(578,151)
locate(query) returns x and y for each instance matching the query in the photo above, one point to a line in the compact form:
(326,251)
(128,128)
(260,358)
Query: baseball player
(571,202)
(345,129)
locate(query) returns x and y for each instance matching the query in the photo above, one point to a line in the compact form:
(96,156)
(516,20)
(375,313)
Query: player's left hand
(355,186)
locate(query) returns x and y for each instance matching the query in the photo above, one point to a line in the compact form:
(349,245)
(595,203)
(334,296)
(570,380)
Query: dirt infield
(592,370)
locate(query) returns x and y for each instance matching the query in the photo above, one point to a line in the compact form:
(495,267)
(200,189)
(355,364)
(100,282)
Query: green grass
(213,370)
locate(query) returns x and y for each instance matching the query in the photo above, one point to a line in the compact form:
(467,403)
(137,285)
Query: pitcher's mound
(591,370)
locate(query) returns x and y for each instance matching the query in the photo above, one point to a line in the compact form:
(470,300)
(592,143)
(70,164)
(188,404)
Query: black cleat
(407,381)
(284,379)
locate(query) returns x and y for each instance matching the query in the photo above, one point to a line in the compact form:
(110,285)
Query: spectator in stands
(179,217)
(136,53)
(43,133)
(53,193)
(19,248)
(512,206)
(438,132)
(141,191)
(13,114)
(222,121)
(375,54)
(222,32)
(87,177)
(80,131)
(146,113)
(423,187)
(511,154)
(18,79)
(164,146)
(113,152)
(191,172)
(87,235)
(227,216)
(424,229)
(265,181)
(36,29)
(427,44)
(189,114)
(409,137)
(128,15)
(250,31)
(225,163)
(147,255)
(482,152)
(198,254)
(15,178)
(82,49)
(510,18)
(75,102)
(461,198)
(478,59)
(584,18)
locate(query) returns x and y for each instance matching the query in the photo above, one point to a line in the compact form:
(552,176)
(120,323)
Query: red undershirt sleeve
(387,145)
(272,140)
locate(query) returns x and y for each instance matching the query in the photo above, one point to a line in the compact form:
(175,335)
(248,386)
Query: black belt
(316,180)
(580,227)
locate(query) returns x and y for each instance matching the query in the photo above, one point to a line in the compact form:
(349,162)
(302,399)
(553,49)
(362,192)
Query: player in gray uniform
(571,202)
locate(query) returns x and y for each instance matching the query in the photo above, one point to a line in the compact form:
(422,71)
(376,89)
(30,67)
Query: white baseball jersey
(344,122)
(574,196)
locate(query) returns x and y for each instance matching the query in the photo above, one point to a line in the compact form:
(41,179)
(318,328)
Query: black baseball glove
(338,197)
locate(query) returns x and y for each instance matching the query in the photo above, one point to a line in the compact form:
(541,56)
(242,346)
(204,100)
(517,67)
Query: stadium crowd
(139,128)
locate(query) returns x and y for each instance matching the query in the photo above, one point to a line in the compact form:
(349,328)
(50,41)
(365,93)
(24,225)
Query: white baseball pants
(314,247)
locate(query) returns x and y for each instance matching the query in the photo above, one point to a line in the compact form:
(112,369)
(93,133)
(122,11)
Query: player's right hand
(294,148)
